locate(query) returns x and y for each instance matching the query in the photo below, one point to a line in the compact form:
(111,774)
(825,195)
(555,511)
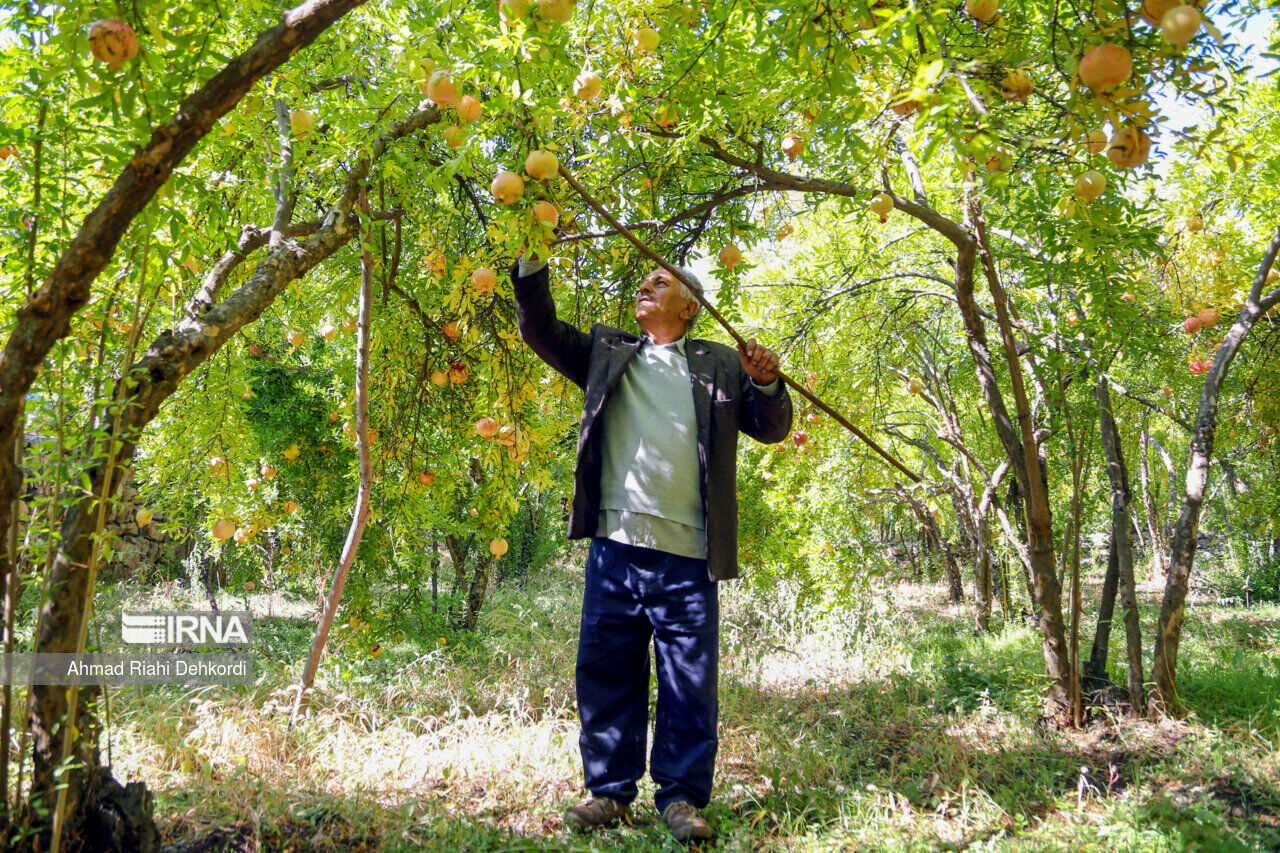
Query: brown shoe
(597,812)
(685,823)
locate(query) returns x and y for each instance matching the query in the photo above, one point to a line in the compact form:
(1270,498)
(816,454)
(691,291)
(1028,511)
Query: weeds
(887,727)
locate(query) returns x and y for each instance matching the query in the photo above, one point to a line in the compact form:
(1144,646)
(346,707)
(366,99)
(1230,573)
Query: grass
(882,727)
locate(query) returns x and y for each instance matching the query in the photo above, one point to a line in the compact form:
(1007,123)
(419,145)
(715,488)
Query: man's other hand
(760,364)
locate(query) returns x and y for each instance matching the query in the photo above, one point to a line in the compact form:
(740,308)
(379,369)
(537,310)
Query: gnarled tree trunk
(1172,609)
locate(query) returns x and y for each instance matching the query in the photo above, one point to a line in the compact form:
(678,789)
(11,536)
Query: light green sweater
(650,489)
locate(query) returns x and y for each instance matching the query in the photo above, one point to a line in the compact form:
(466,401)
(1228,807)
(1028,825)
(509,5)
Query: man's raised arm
(561,345)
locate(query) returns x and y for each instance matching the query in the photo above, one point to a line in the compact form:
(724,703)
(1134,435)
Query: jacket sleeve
(562,345)
(765,418)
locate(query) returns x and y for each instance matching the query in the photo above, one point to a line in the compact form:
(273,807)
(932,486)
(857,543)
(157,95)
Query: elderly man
(654,488)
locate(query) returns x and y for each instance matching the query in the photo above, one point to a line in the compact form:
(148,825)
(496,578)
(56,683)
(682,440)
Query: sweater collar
(678,345)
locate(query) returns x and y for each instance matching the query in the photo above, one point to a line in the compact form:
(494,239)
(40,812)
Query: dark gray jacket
(724,401)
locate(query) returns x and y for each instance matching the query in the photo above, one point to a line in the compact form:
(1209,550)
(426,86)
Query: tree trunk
(476,594)
(1121,548)
(137,399)
(1026,458)
(1172,609)
(360,514)
(1155,535)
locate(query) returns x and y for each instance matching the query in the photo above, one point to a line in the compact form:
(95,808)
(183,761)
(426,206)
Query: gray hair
(688,294)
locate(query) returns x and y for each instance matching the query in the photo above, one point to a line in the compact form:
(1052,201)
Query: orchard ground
(880,725)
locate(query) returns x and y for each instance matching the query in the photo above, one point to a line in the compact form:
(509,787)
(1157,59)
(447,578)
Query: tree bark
(1164,698)
(476,594)
(1154,533)
(1026,457)
(1121,548)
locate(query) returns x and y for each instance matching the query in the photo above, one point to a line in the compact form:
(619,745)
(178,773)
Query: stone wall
(134,548)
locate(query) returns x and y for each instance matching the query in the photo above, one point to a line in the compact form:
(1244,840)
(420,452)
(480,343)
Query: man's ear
(690,308)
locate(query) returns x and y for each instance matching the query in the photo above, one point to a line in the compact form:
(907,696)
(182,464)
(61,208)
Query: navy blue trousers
(631,595)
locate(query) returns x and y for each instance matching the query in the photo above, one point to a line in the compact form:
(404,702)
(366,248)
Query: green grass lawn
(886,727)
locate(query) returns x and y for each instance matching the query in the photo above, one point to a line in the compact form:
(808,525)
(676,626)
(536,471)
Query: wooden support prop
(697,292)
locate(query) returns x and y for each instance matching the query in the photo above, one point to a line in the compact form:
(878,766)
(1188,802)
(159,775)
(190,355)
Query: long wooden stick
(697,292)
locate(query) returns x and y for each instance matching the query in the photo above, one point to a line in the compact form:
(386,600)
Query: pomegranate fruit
(484,280)
(1090,185)
(1152,11)
(435,262)
(541,165)
(1191,324)
(1017,86)
(545,211)
(1273,275)
(881,204)
(799,438)
(792,145)
(1194,224)
(427,477)
(1095,141)
(451,330)
(1180,24)
(439,378)
(1208,318)
(507,187)
(113,42)
(458,373)
(454,136)
(302,123)
(557,11)
(982,10)
(512,10)
(915,386)
(587,85)
(469,109)
(1128,148)
(904,106)
(224,529)
(498,547)
(666,115)
(143,517)
(486,427)
(647,39)
(328,331)
(1105,67)
(730,256)
(440,88)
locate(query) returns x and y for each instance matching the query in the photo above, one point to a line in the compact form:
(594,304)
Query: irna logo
(188,627)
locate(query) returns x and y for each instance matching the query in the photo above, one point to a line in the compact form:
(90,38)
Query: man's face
(659,299)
